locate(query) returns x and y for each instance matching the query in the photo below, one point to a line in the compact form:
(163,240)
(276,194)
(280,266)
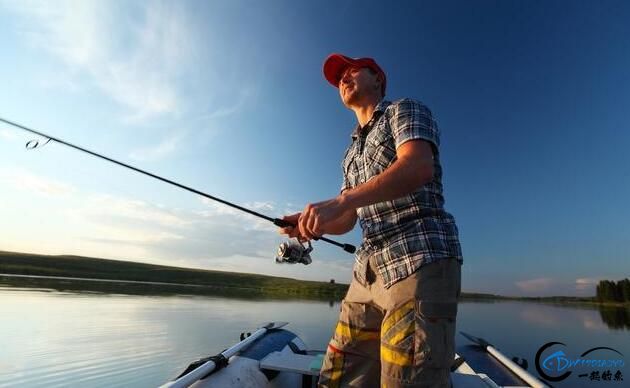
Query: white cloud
(261,205)
(582,284)
(134,57)
(213,236)
(249,222)
(244,95)
(158,151)
(105,206)
(25,180)
(545,286)
(7,134)
(217,237)
(131,236)
(161,233)
(319,270)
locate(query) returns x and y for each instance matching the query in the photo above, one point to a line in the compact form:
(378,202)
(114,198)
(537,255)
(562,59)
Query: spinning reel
(293,251)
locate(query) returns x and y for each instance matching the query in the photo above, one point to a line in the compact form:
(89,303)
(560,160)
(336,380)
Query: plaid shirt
(412,230)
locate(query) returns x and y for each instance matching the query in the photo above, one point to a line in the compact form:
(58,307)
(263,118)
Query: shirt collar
(378,111)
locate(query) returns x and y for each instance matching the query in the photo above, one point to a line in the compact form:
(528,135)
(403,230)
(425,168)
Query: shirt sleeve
(410,120)
(345,184)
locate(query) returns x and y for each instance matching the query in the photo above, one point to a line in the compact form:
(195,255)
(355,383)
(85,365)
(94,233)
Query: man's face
(357,85)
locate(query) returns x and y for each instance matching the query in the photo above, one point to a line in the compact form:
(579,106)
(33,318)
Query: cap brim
(334,67)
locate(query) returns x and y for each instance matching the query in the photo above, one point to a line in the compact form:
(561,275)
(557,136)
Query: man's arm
(346,222)
(412,168)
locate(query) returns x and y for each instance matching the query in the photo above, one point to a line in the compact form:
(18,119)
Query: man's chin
(351,99)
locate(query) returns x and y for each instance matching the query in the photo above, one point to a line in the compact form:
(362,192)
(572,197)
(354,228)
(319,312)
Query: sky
(228,97)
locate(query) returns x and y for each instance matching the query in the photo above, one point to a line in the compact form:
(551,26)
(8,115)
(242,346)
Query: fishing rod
(276,221)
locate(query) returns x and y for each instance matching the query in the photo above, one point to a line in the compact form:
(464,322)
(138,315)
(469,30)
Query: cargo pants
(403,336)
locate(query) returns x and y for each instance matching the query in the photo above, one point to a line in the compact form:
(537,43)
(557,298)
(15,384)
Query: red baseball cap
(336,64)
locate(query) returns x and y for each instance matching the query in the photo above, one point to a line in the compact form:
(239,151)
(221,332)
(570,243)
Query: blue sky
(228,97)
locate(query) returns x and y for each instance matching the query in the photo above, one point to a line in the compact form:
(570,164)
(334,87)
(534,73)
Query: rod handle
(282,223)
(346,247)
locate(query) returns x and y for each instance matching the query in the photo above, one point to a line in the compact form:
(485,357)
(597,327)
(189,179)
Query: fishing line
(33,144)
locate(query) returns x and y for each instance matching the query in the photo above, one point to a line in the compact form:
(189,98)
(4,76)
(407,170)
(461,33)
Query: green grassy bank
(182,280)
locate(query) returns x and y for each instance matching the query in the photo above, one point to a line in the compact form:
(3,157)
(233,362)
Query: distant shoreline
(557,300)
(76,273)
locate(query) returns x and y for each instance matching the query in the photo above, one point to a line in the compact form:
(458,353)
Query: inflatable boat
(274,357)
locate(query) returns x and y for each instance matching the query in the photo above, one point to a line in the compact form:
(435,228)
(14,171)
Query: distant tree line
(610,291)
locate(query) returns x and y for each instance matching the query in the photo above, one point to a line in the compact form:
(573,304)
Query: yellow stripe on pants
(396,357)
(389,353)
(344,330)
(397,315)
(403,333)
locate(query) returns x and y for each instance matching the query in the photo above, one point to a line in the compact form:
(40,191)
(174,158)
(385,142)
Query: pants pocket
(417,343)
(435,346)
(398,339)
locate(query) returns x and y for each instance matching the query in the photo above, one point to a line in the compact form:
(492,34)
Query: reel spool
(293,251)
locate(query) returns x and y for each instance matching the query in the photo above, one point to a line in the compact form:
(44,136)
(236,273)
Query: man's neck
(364,112)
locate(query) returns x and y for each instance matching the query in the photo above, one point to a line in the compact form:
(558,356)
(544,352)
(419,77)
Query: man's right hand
(290,231)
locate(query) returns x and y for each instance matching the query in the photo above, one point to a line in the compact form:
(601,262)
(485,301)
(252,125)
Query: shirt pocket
(379,152)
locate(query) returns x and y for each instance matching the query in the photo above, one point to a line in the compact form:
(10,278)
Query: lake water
(55,339)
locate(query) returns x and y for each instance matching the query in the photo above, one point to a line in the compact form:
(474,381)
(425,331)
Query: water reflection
(592,317)
(540,317)
(616,318)
(613,317)
(99,286)
(102,340)
(92,338)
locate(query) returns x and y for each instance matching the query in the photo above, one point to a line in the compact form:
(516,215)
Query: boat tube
(273,357)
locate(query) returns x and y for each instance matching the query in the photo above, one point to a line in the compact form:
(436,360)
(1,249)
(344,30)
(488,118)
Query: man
(397,321)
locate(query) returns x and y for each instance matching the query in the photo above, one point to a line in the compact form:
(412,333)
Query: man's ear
(379,85)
